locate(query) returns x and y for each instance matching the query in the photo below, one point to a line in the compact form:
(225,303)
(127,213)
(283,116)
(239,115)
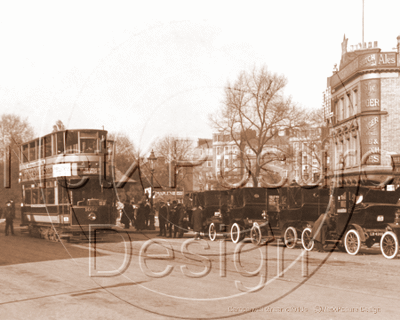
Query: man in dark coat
(124,217)
(162,218)
(140,216)
(181,213)
(147,212)
(9,215)
(197,221)
(127,214)
(173,219)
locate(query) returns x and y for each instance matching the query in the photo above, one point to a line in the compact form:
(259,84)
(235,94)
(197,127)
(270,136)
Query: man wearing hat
(9,215)
(162,218)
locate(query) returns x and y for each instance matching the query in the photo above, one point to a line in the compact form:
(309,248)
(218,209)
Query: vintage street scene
(177,160)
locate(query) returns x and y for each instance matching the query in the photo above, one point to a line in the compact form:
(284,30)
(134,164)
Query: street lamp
(152,159)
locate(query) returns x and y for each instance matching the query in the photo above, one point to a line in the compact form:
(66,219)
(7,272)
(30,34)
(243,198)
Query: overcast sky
(154,68)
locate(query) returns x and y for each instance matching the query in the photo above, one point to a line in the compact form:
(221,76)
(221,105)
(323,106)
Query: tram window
(88,145)
(32,151)
(35,196)
(41,194)
(50,196)
(110,147)
(47,146)
(62,195)
(60,142)
(71,142)
(41,148)
(25,154)
(28,196)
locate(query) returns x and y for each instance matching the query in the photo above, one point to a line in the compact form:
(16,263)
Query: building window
(355,101)
(219,150)
(341,106)
(346,107)
(209,163)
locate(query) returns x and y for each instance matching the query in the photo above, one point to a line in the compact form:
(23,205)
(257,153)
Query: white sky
(150,68)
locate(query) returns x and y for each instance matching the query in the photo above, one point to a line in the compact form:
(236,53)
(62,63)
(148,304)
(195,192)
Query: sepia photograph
(199,159)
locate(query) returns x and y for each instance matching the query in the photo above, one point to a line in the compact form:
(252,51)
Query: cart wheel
(237,233)
(389,245)
(306,239)
(212,232)
(352,242)
(290,237)
(256,235)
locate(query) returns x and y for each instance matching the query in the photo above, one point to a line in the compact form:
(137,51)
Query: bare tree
(254,111)
(59,126)
(14,130)
(125,150)
(171,149)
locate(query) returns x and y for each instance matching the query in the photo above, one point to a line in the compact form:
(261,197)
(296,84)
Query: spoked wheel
(290,237)
(237,233)
(352,242)
(306,239)
(255,234)
(389,245)
(212,231)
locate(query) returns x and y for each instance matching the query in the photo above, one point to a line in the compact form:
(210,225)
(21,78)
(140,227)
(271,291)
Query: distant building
(306,146)
(229,155)
(203,175)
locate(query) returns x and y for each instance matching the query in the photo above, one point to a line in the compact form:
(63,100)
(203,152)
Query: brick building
(362,109)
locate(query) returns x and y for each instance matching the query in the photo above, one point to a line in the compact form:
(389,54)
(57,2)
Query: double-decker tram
(65,180)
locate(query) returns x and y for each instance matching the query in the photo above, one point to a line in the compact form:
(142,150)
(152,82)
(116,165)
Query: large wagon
(298,208)
(359,216)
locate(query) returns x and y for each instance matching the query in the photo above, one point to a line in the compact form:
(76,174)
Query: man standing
(197,221)
(181,215)
(162,218)
(147,214)
(140,218)
(9,215)
(173,219)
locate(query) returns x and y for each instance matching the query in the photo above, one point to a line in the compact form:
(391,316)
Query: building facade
(362,109)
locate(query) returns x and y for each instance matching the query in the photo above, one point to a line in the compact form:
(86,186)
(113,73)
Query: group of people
(172,217)
(8,213)
(141,220)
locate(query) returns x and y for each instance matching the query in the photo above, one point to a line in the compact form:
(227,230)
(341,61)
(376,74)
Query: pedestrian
(173,219)
(197,221)
(181,213)
(9,215)
(127,214)
(147,212)
(168,222)
(140,218)
(162,218)
(124,216)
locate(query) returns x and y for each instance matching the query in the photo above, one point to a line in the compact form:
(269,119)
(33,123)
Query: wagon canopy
(249,196)
(211,198)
